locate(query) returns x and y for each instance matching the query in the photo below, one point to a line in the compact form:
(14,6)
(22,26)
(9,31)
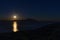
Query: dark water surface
(30,30)
(7,26)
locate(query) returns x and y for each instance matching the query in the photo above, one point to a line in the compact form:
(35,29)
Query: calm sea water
(7,26)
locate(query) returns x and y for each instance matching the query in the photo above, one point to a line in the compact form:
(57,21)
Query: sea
(7,26)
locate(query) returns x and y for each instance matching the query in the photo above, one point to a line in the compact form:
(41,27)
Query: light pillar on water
(15,29)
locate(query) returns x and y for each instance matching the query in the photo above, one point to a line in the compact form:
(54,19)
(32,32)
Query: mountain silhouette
(31,24)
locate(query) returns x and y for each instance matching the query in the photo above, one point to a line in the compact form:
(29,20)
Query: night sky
(38,9)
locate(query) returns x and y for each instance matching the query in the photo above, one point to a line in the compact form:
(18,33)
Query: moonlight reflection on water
(15,29)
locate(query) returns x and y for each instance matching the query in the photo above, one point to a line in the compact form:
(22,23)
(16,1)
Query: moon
(14,17)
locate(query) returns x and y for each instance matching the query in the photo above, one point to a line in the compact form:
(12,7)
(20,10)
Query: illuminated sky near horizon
(39,9)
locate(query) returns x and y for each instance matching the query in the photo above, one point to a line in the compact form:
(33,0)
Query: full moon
(14,17)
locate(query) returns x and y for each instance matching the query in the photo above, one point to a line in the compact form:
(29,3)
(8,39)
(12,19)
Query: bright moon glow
(15,26)
(14,17)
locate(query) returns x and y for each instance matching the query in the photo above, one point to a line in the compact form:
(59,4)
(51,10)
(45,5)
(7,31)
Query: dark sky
(39,9)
